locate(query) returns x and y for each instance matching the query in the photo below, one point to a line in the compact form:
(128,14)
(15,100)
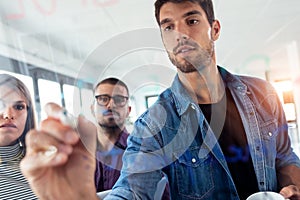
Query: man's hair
(206,5)
(112,81)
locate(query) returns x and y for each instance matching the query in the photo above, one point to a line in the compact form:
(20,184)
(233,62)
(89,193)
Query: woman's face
(13,115)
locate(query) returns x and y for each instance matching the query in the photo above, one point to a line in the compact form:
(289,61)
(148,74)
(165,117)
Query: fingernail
(67,119)
(50,151)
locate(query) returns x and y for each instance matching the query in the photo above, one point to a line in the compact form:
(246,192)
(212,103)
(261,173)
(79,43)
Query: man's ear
(215,30)
(129,110)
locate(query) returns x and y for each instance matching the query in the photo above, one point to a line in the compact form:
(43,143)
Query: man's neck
(205,87)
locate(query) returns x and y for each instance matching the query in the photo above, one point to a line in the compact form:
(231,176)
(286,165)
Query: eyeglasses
(104,99)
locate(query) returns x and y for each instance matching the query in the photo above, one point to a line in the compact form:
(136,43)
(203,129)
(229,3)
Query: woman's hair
(18,86)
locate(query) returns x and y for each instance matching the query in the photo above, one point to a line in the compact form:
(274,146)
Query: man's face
(111,115)
(187,35)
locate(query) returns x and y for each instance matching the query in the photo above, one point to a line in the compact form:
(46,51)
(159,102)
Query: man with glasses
(110,110)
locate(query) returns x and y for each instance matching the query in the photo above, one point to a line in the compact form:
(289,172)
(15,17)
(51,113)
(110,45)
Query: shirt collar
(183,99)
(181,96)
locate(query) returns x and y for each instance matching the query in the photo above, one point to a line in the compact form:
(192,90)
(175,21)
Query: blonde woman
(16,119)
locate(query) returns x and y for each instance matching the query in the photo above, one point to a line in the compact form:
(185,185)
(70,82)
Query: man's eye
(193,21)
(118,99)
(104,99)
(168,28)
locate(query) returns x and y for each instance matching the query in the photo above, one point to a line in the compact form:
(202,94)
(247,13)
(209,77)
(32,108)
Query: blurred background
(60,48)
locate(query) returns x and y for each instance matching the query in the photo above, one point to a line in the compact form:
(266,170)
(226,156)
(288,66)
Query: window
(72,99)
(49,91)
(87,100)
(284,89)
(150,100)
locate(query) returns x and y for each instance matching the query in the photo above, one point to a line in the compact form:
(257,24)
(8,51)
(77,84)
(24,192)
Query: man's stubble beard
(193,64)
(111,127)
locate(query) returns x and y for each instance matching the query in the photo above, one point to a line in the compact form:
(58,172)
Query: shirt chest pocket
(269,132)
(194,172)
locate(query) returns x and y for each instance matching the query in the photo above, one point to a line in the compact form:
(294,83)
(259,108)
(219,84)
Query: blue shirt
(173,138)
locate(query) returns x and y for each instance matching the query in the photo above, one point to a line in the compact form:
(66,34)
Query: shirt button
(270,134)
(261,183)
(193,160)
(193,107)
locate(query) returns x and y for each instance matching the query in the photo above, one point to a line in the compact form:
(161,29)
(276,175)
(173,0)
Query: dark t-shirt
(232,139)
(109,164)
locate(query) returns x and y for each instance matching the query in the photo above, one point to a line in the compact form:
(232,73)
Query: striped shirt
(13,185)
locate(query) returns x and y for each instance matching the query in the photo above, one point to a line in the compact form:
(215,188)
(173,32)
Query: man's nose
(110,103)
(181,33)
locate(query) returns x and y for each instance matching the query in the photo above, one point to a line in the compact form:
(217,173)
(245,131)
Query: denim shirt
(173,138)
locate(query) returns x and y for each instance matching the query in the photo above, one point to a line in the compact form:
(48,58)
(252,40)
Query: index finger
(86,129)
(56,126)
(54,110)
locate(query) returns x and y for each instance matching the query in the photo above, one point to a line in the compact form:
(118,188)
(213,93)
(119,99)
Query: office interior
(70,45)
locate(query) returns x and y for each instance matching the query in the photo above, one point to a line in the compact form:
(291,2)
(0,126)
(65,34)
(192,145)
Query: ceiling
(92,39)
